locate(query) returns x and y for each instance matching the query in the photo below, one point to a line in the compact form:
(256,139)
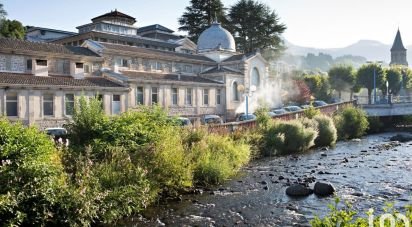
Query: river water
(367,173)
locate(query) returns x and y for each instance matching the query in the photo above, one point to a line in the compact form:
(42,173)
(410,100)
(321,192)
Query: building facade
(127,67)
(39,82)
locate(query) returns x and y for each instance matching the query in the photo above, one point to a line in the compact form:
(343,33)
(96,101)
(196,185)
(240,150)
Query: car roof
(211,116)
(55,128)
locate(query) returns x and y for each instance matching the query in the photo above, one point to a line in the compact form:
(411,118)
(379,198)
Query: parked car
(305,106)
(211,119)
(319,103)
(244,117)
(57,133)
(279,111)
(292,108)
(183,121)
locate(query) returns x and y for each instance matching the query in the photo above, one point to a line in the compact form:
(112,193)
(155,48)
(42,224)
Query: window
(174,96)
(48,105)
(205,97)
(100,98)
(79,65)
(11,105)
(69,104)
(124,63)
(188,100)
(139,96)
(218,96)
(116,104)
(155,96)
(159,66)
(41,62)
(235,92)
(255,77)
(86,68)
(29,64)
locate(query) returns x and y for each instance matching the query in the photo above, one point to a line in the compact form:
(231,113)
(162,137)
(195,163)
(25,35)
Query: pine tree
(255,26)
(199,15)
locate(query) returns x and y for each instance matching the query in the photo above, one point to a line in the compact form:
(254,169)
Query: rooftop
(22,45)
(154,27)
(58,81)
(114,14)
(135,49)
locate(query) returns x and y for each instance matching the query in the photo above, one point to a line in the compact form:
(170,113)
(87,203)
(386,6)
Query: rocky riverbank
(366,172)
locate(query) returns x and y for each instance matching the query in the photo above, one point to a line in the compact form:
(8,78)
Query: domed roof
(216,38)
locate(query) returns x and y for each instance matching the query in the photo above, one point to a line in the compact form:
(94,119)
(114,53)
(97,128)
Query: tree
(3,12)
(318,85)
(199,15)
(394,78)
(254,25)
(12,29)
(365,78)
(342,78)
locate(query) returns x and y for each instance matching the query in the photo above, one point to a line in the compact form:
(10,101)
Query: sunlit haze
(314,23)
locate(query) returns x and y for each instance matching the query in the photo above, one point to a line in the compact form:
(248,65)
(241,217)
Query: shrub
(351,123)
(288,137)
(262,117)
(375,124)
(31,176)
(327,133)
(311,112)
(217,158)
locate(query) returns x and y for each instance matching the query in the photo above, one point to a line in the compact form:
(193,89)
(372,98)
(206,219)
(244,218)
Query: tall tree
(366,76)
(199,15)
(12,29)
(3,12)
(318,85)
(342,78)
(394,78)
(254,26)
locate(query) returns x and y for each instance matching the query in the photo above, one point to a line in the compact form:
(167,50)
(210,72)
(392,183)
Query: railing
(233,126)
(383,99)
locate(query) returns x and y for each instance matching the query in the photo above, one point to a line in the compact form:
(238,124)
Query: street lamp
(247,92)
(374,78)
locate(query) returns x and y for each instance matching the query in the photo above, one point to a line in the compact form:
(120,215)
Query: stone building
(398,51)
(127,66)
(39,82)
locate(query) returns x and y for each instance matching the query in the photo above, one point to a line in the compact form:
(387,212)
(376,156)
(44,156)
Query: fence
(233,126)
(383,99)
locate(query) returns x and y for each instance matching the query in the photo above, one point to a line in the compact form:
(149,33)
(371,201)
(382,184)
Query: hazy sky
(314,23)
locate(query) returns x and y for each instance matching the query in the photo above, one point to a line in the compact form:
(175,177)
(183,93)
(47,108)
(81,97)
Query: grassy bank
(117,166)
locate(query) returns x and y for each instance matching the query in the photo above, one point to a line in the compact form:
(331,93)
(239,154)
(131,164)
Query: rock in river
(324,189)
(401,138)
(298,190)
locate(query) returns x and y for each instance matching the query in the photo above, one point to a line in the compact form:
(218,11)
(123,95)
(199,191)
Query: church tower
(398,51)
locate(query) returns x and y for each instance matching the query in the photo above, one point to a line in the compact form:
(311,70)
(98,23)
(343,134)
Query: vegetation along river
(367,172)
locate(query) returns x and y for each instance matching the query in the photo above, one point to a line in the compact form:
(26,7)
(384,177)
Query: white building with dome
(204,82)
(125,66)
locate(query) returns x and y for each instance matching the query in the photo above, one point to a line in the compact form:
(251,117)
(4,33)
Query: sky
(310,23)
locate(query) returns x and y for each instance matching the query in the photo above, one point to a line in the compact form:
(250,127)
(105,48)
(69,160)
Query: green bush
(262,117)
(31,176)
(351,123)
(327,133)
(216,158)
(375,124)
(311,112)
(346,216)
(288,137)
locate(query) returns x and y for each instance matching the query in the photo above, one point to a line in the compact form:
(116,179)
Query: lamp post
(374,78)
(247,92)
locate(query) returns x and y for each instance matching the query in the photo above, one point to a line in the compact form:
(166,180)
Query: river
(367,173)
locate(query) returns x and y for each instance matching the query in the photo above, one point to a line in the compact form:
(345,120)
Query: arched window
(235,92)
(255,77)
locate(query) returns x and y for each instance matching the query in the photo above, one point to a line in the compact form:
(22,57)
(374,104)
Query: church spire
(397,43)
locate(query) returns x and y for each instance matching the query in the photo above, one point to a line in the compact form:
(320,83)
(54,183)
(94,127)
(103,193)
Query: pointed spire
(397,43)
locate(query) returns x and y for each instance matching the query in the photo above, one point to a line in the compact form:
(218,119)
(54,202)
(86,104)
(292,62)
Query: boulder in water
(323,189)
(297,190)
(401,138)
